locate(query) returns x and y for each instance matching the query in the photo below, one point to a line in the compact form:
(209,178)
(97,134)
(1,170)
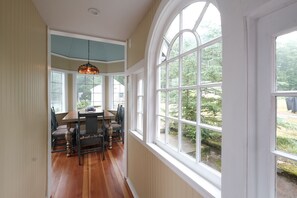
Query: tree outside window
(89,91)
(189,93)
(58,91)
(118,91)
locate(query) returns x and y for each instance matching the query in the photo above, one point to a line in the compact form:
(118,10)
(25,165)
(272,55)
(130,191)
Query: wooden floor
(94,179)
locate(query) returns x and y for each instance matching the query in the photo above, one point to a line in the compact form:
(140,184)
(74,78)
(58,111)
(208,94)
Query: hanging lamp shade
(88,68)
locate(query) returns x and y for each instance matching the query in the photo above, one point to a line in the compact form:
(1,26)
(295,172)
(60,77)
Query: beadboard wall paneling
(151,177)
(137,42)
(23,100)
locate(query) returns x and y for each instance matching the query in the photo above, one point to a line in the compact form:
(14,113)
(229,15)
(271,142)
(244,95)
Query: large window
(188,89)
(118,91)
(139,105)
(58,93)
(89,91)
(285,98)
(276,100)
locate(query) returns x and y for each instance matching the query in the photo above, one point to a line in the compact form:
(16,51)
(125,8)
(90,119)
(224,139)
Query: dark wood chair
(118,127)
(58,132)
(116,117)
(89,136)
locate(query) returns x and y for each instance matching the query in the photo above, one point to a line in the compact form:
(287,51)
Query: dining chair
(118,127)
(89,136)
(58,132)
(116,115)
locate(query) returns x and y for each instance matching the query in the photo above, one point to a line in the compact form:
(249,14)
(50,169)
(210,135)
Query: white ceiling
(116,21)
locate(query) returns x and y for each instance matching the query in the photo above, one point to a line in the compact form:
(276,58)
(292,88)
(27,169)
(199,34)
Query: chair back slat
(91,121)
(54,122)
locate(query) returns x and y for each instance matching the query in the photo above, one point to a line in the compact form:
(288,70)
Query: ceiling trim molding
(68,34)
(79,59)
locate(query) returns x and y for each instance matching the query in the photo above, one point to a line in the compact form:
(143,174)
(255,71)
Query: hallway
(95,178)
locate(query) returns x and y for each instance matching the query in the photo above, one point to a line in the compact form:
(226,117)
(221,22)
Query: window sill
(138,136)
(198,183)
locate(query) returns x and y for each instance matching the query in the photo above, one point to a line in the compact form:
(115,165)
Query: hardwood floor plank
(94,179)
(118,174)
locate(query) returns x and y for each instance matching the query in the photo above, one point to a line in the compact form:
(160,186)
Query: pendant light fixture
(88,68)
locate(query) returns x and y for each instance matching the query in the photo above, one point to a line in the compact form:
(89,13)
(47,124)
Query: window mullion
(179,146)
(201,16)
(198,116)
(166,106)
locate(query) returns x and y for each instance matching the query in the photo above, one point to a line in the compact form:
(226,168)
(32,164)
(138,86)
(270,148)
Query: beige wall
(23,100)
(137,41)
(151,177)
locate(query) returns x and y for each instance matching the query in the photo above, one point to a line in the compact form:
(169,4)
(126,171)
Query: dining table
(71,118)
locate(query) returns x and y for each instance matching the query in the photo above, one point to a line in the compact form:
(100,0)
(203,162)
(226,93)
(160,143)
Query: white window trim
(135,77)
(165,11)
(198,183)
(132,73)
(258,182)
(65,88)
(110,82)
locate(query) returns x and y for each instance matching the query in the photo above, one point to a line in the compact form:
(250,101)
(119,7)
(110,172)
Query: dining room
(74,90)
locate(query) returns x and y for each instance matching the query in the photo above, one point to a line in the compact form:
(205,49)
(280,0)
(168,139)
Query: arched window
(188,92)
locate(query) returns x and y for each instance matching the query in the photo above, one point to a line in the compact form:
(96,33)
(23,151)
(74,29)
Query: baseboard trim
(135,195)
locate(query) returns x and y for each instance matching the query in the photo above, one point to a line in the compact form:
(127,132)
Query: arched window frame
(153,51)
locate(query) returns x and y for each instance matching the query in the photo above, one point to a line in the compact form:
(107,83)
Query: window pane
(189,70)
(174,51)
(191,14)
(211,68)
(189,140)
(89,80)
(286,62)
(161,123)
(56,77)
(139,122)
(140,87)
(58,91)
(80,79)
(57,106)
(286,130)
(88,92)
(210,26)
(188,41)
(161,103)
(139,104)
(189,104)
(173,103)
(211,148)
(173,71)
(97,81)
(286,180)
(172,138)
(162,76)
(57,88)
(163,53)
(118,91)
(211,106)
(173,29)
(96,99)
(56,98)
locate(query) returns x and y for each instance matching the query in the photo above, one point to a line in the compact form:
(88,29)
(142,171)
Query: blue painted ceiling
(75,48)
